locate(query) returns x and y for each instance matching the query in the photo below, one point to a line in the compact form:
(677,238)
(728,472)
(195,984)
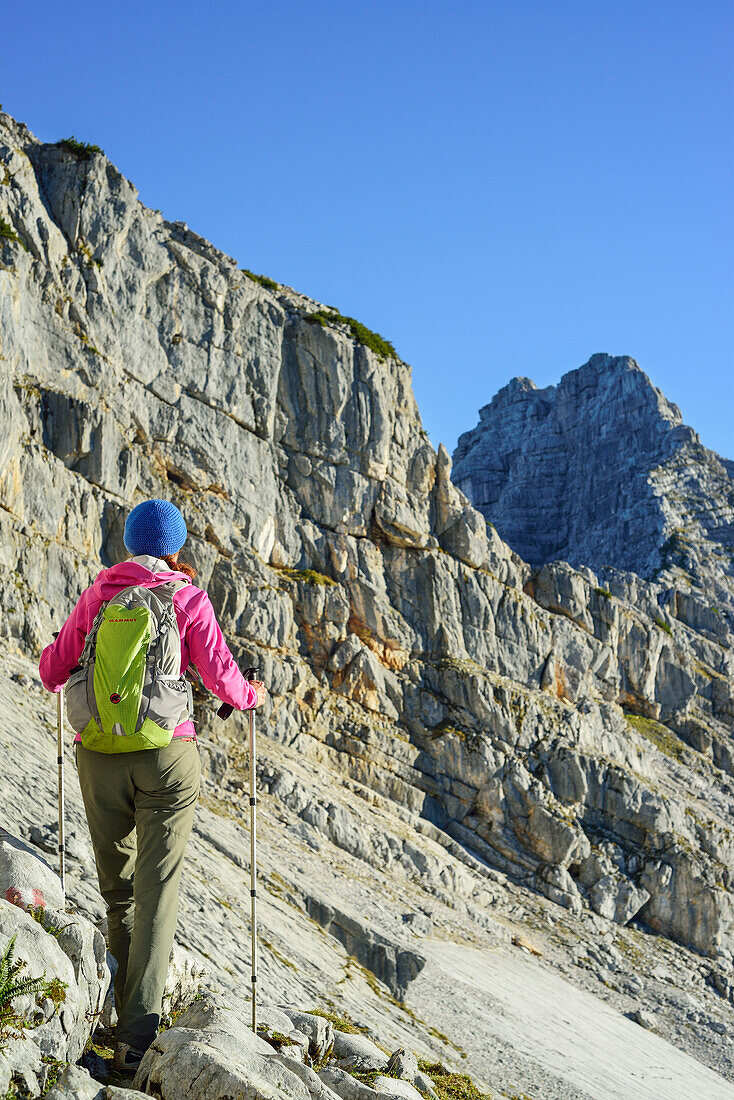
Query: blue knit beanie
(155,527)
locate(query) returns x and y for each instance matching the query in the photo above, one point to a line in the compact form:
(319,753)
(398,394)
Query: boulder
(615,896)
(644,1018)
(21,1064)
(402,1063)
(75,1083)
(66,950)
(25,878)
(184,981)
(392,1086)
(82,942)
(211,1051)
(319,1031)
(424,1084)
(357,1052)
(344,1085)
(311,1079)
(557,885)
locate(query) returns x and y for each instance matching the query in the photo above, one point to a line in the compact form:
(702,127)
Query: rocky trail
(334,930)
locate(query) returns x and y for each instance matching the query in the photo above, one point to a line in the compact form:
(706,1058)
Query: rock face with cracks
(393,627)
(567,728)
(600,471)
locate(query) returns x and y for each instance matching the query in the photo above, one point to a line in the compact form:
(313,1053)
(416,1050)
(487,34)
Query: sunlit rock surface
(457,742)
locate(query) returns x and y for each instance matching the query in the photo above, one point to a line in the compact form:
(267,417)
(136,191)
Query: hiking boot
(127,1058)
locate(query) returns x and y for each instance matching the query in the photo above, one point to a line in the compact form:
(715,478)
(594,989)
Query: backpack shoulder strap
(170,588)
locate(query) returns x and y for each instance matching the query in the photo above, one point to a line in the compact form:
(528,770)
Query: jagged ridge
(601,471)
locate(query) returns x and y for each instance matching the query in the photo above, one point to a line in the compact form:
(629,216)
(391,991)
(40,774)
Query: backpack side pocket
(78,710)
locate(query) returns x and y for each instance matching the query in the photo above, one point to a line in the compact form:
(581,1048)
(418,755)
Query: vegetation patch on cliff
(7,233)
(308,576)
(84,150)
(263,280)
(660,736)
(471,738)
(382,348)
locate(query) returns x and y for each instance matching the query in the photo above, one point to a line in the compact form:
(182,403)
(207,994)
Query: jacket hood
(143,570)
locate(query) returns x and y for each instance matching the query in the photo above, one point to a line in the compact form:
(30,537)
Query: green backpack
(128,692)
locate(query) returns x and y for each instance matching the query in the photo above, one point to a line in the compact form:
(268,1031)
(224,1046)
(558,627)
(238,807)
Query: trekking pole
(60,727)
(224,712)
(251,674)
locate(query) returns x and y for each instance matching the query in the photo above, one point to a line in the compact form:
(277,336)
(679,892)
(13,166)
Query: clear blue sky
(497,188)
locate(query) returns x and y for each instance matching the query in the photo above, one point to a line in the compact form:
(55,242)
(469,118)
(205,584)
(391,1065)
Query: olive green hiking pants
(140,808)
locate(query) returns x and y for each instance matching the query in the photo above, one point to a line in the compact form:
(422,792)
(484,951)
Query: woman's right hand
(261,690)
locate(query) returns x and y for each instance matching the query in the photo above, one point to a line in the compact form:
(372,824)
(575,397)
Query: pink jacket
(202,641)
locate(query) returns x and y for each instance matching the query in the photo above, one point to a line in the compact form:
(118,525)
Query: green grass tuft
(382,348)
(55,1070)
(607,595)
(660,736)
(369,1076)
(7,233)
(100,1049)
(55,990)
(263,280)
(661,623)
(341,1023)
(308,576)
(277,1039)
(82,149)
(38,913)
(451,1086)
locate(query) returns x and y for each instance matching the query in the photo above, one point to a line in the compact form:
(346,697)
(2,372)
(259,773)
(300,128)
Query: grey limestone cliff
(443,713)
(600,471)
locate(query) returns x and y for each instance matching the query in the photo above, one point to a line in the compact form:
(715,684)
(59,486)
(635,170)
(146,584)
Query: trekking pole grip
(226,709)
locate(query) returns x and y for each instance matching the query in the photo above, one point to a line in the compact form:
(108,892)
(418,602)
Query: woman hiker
(140,804)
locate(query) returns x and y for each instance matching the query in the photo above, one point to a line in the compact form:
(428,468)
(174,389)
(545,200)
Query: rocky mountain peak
(602,380)
(599,470)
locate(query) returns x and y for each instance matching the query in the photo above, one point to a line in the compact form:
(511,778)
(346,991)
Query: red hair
(179,566)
